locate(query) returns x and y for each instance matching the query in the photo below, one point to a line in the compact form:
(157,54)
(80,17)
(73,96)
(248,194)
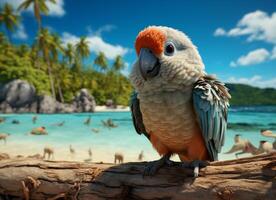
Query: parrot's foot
(153,167)
(196,165)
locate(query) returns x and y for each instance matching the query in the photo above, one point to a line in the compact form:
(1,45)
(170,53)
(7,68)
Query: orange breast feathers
(151,38)
(193,150)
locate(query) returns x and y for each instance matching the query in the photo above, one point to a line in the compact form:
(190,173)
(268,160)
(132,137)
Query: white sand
(119,108)
(62,153)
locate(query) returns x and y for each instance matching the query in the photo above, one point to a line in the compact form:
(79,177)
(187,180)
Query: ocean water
(123,138)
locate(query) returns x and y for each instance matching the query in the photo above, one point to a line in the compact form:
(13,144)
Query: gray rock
(18,93)
(46,104)
(5,107)
(84,101)
(34,107)
(65,108)
(25,109)
(20,97)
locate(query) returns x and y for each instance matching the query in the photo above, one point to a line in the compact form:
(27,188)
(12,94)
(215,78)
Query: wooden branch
(246,178)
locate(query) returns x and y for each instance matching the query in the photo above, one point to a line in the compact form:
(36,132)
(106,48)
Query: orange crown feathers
(152,38)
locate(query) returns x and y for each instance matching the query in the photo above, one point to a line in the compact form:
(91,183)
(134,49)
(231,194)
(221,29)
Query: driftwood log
(246,178)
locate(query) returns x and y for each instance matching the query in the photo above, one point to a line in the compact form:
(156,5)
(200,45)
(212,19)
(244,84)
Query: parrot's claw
(196,165)
(153,167)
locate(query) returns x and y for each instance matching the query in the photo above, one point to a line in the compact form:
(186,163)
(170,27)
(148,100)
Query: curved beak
(148,63)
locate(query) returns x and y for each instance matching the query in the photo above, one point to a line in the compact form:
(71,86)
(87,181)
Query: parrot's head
(167,60)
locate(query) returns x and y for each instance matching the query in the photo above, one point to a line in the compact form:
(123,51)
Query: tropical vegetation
(58,69)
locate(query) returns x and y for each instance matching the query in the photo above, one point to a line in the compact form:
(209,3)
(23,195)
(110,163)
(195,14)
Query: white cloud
(99,31)
(54,9)
(256,25)
(97,44)
(20,33)
(256,80)
(253,57)
(219,32)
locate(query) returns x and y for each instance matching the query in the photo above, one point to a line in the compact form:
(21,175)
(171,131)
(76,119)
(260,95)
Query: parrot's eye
(169,49)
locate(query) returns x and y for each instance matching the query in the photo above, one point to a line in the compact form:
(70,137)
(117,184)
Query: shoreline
(119,108)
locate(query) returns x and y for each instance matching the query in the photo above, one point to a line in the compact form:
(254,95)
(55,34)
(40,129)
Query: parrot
(179,107)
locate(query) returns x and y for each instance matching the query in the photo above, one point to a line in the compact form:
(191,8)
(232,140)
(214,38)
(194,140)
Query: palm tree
(56,49)
(64,78)
(118,63)
(34,56)
(9,19)
(39,7)
(45,42)
(101,61)
(69,53)
(23,50)
(82,49)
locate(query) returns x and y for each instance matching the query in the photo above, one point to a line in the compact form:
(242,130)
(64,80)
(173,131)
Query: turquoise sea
(246,121)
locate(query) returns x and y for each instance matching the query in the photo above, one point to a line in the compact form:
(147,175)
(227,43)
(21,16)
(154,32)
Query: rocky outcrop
(5,107)
(18,93)
(19,96)
(47,104)
(84,101)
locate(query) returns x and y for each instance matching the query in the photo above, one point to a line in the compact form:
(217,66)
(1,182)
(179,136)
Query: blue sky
(236,39)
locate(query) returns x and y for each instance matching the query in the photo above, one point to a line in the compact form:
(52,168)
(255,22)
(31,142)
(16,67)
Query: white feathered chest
(169,116)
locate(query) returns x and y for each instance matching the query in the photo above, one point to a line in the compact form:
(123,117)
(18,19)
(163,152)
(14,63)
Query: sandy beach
(62,153)
(119,108)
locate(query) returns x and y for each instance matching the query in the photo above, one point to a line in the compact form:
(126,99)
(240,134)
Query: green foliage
(32,64)
(118,63)
(101,61)
(9,18)
(39,6)
(57,70)
(15,66)
(247,95)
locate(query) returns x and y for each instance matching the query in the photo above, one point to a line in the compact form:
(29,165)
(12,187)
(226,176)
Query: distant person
(118,157)
(87,121)
(15,121)
(59,124)
(90,153)
(90,156)
(95,130)
(104,123)
(265,147)
(269,133)
(39,131)
(34,119)
(141,156)
(72,151)
(3,136)
(109,123)
(244,146)
(48,151)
